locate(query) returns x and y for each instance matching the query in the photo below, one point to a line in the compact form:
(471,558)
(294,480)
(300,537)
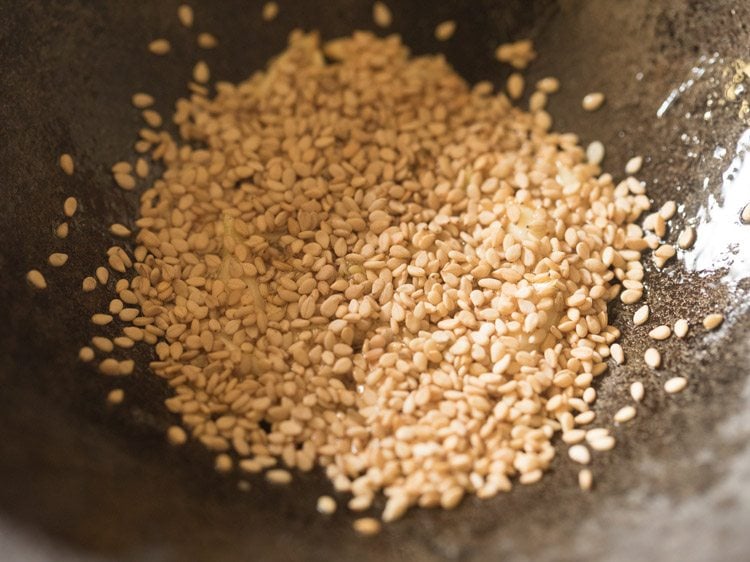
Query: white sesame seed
(617,353)
(585,479)
(62,230)
(592,101)
(681,327)
(713,321)
(57,259)
(606,443)
(279,476)
(660,332)
(637,391)
(119,230)
(366,526)
(88,284)
(687,237)
(631,296)
(624,414)
(652,357)
(579,454)
(675,384)
(326,505)
(141,101)
(176,435)
(595,153)
(548,85)
(667,210)
(36,279)
(201,73)
(633,166)
(515,85)
(207,41)
(86,354)
(641,315)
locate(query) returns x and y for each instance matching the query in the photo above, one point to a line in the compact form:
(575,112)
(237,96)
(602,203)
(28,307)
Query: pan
(80,480)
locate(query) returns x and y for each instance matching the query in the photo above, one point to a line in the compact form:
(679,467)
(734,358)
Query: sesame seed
(592,101)
(579,454)
(605,443)
(381,14)
(585,479)
(681,327)
(101,319)
(631,296)
(103,344)
(617,353)
(366,526)
(185,15)
(109,366)
(125,181)
(652,357)
(595,153)
(116,396)
(141,101)
(637,391)
(207,41)
(515,85)
(62,230)
(36,279)
(687,237)
(159,46)
(270,11)
(548,85)
(201,73)
(279,476)
(675,385)
(223,463)
(88,284)
(633,166)
(667,210)
(585,418)
(713,321)
(86,354)
(66,163)
(445,30)
(120,230)
(152,118)
(518,54)
(70,206)
(102,275)
(176,435)
(326,505)
(660,332)
(641,315)
(57,259)
(624,414)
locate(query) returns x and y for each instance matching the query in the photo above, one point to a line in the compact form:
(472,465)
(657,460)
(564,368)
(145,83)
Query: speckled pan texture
(83,480)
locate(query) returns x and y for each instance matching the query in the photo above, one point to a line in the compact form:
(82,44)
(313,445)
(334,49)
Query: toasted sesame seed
(142,101)
(159,46)
(223,463)
(109,366)
(103,344)
(125,181)
(515,85)
(201,72)
(548,85)
(36,279)
(88,284)
(641,315)
(207,41)
(366,526)
(270,11)
(70,206)
(176,435)
(633,166)
(624,414)
(152,118)
(687,237)
(652,357)
(120,230)
(86,354)
(445,30)
(595,153)
(617,353)
(675,384)
(185,15)
(713,321)
(67,165)
(579,454)
(101,319)
(592,101)
(115,396)
(326,505)
(102,275)
(381,14)
(637,391)
(681,327)
(279,476)
(585,479)
(62,230)
(745,214)
(660,332)
(57,259)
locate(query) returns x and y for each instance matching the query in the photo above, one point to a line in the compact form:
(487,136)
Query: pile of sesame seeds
(371,267)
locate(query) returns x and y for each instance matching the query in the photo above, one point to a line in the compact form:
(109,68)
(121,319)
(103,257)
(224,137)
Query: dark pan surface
(79,479)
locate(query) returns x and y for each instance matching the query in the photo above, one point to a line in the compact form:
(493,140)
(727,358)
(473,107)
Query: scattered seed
(579,454)
(279,476)
(270,11)
(125,181)
(326,505)
(185,15)
(617,353)
(624,414)
(652,357)
(641,315)
(606,443)
(207,41)
(518,54)
(141,101)
(548,85)
(631,296)
(57,259)
(592,101)
(120,230)
(381,14)
(585,479)
(152,118)
(537,101)
(201,72)
(109,367)
(633,165)
(595,153)
(36,278)
(102,275)
(445,30)
(681,327)
(159,46)
(637,391)
(515,85)
(86,354)
(70,206)
(116,396)
(660,332)
(101,319)
(675,384)
(88,284)
(713,321)
(103,344)
(66,163)
(667,210)
(176,435)
(366,526)
(223,463)
(686,239)
(62,230)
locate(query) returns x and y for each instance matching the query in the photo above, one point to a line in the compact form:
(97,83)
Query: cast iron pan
(79,479)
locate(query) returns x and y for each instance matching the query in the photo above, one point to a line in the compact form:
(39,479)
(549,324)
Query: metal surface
(81,480)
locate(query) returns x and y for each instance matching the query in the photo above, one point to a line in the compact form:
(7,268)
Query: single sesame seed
(637,391)
(86,354)
(176,435)
(36,279)
(125,181)
(366,526)
(641,315)
(279,476)
(681,327)
(667,210)
(70,206)
(102,275)
(617,353)
(515,85)
(270,11)
(103,344)
(713,321)
(652,357)
(585,418)
(548,85)
(595,153)
(687,237)
(159,46)
(624,414)
(141,101)
(88,284)
(207,41)
(62,230)
(579,454)
(223,463)
(585,479)
(185,15)
(101,319)
(592,101)
(660,332)
(445,30)
(120,230)
(57,259)
(152,118)
(633,166)
(116,396)
(109,367)
(326,505)
(631,296)
(605,443)
(381,14)
(201,73)
(67,165)
(675,384)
